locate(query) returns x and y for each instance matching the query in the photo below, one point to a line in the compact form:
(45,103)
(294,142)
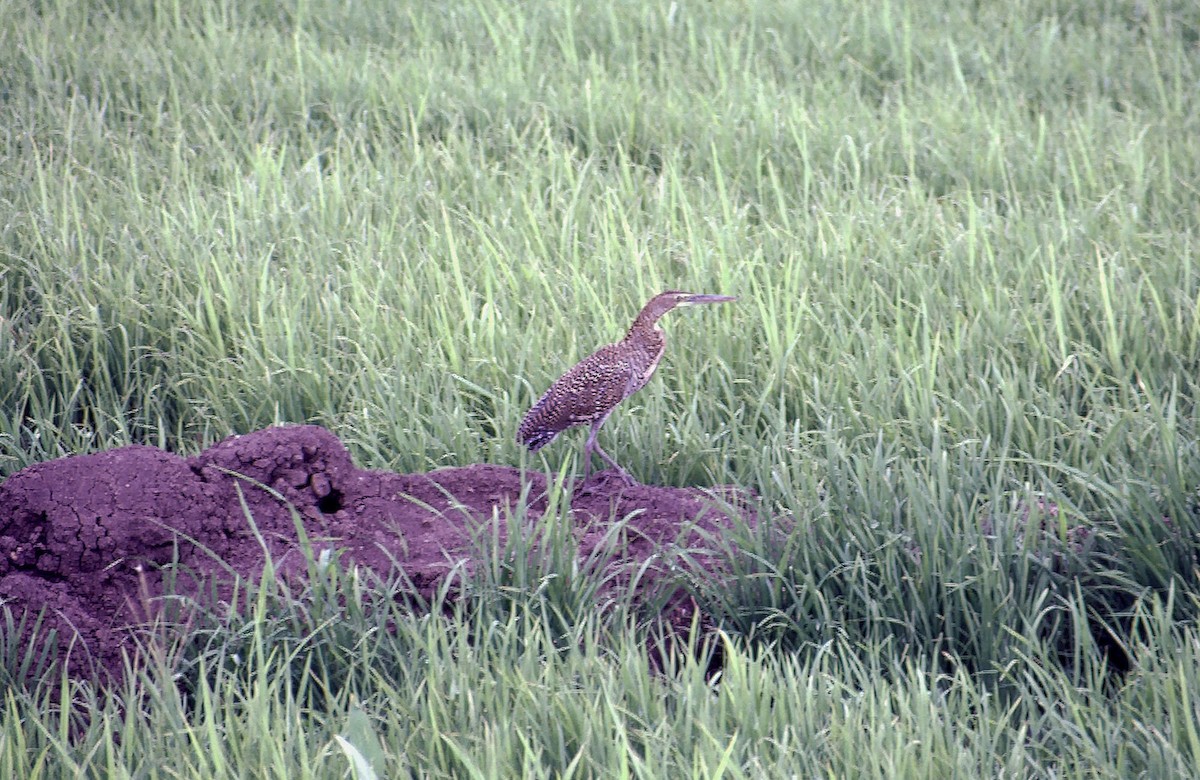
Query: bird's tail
(535,440)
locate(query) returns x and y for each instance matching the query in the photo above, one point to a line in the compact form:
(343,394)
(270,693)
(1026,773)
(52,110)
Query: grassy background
(962,374)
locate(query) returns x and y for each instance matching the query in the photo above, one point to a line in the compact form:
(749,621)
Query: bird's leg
(625,475)
(591,446)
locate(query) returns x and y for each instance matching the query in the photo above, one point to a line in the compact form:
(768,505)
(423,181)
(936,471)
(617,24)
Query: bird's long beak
(704,298)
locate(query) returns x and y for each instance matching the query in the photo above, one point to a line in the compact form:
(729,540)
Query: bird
(592,388)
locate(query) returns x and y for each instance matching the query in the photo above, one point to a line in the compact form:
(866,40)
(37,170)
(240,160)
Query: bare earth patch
(87,537)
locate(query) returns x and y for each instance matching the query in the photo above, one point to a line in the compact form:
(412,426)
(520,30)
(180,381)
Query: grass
(962,373)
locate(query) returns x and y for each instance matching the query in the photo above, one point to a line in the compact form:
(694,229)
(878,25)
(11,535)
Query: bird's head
(665,301)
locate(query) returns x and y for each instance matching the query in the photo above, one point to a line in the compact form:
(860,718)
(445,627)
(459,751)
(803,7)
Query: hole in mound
(330,502)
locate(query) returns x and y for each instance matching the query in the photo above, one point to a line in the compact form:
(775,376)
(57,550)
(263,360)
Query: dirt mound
(88,537)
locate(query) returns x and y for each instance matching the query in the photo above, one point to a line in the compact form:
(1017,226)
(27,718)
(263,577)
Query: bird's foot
(620,474)
(589,485)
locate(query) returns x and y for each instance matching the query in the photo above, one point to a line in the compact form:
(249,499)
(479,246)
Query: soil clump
(91,538)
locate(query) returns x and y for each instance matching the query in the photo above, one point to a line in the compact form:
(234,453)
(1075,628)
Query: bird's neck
(646,321)
(644,329)
(645,342)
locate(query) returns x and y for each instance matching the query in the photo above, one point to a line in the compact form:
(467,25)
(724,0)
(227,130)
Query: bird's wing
(587,392)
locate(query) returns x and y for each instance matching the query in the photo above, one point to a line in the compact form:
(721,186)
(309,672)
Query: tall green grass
(961,375)
(342,679)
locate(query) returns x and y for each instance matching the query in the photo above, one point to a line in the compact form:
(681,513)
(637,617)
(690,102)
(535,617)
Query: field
(962,374)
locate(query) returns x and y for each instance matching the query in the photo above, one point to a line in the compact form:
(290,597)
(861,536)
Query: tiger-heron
(592,388)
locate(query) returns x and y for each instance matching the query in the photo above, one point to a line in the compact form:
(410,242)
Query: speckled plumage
(592,388)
